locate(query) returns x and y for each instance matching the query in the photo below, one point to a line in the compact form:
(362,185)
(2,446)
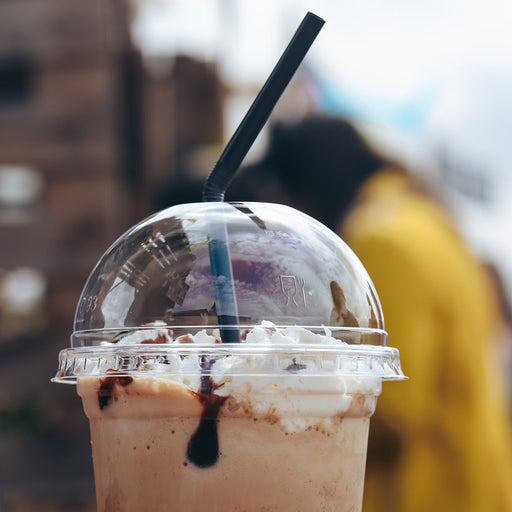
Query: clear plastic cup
(180,419)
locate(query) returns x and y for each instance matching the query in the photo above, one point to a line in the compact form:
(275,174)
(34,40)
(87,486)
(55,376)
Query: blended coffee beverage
(183,421)
(285,442)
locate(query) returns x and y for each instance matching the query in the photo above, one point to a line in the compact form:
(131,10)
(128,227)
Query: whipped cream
(293,385)
(265,334)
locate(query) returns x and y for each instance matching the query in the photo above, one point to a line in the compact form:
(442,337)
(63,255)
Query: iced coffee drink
(181,420)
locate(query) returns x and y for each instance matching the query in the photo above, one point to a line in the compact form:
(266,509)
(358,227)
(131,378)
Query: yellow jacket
(439,442)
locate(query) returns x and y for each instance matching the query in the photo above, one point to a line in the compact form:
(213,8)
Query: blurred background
(103,102)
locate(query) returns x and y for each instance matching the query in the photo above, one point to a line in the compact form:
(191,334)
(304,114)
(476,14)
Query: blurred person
(442,440)
(504,333)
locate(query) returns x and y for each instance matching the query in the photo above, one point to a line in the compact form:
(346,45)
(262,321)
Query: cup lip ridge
(348,335)
(241,326)
(358,360)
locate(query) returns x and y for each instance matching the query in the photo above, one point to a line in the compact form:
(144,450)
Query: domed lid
(287,268)
(179,288)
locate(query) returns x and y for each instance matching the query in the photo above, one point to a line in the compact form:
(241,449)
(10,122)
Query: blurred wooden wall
(89,129)
(70,161)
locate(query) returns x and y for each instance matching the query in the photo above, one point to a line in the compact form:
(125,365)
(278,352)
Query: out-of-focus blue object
(407,115)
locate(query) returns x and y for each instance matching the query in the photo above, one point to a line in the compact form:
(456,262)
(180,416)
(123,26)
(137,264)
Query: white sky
(386,47)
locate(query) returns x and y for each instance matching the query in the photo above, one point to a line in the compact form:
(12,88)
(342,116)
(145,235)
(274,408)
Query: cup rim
(261,361)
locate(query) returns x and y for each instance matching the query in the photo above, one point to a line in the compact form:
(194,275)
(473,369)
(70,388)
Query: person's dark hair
(316,165)
(320,163)
(177,191)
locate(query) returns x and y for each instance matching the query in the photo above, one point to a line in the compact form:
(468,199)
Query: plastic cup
(181,421)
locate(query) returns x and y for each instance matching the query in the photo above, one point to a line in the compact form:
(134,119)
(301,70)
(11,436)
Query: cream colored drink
(140,440)
(245,438)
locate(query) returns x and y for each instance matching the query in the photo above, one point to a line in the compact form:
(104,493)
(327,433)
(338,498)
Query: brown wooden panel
(62,29)
(77,220)
(69,106)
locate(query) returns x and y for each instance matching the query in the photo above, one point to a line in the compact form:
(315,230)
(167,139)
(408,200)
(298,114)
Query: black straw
(251,125)
(231,158)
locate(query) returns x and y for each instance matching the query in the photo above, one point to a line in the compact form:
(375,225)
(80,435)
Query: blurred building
(69,162)
(90,129)
(183,118)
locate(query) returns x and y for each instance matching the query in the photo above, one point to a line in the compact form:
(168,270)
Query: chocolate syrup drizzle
(203,447)
(106,391)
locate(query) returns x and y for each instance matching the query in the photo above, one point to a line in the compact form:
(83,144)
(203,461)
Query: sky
(387,63)
(380,47)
